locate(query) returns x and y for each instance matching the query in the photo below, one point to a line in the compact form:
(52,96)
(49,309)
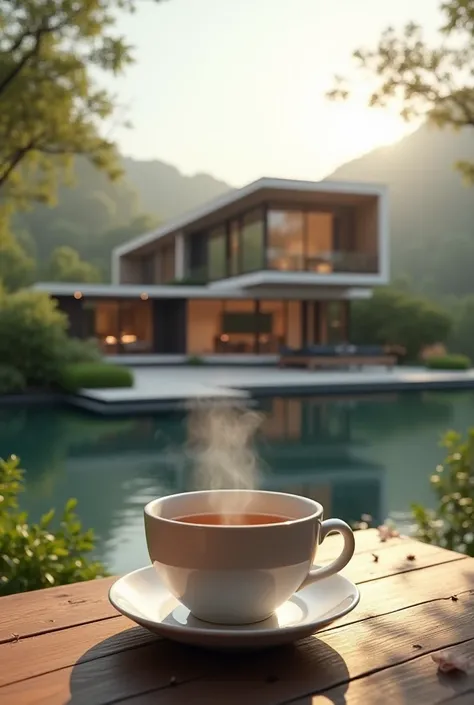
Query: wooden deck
(68,645)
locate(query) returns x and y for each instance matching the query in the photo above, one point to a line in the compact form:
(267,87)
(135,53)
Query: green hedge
(95,375)
(11,380)
(449,362)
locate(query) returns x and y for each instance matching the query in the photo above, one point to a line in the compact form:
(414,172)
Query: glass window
(238,326)
(336,322)
(217,253)
(252,242)
(167,263)
(270,340)
(319,248)
(234,250)
(203,326)
(123,326)
(286,240)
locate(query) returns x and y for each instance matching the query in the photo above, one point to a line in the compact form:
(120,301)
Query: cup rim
(316,514)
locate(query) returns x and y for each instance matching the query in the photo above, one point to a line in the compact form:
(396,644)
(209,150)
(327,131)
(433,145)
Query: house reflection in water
(310,448)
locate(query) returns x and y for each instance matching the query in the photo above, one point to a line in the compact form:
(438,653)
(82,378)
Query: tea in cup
(239,565)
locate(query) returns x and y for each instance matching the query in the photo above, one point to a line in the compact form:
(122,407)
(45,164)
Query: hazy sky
(236,88)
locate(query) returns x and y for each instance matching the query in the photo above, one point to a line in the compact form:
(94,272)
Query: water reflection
(354,454)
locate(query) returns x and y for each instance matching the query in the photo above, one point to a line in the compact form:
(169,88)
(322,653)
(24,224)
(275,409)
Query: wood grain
(343,652)
(416,681)
(47,610)
(328,662)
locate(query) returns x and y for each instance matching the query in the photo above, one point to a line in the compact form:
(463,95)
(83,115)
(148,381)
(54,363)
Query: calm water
(356,455)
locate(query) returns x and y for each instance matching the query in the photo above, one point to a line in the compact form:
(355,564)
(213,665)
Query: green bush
(451,524)
(95,375)
(34,556)
(195,360)
(449,362)
(33,333)
(74,351)
(11,380)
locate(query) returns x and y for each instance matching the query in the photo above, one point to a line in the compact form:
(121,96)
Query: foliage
(74,350)
(66,266)
(195,361)
(52,106)
(436,81)
(394,317)
(34,556)
(32,335)
(95,375)
(449,362)
(11,380)
(451,524)
(17,269)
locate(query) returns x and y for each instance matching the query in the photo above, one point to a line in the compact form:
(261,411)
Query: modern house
(276,263)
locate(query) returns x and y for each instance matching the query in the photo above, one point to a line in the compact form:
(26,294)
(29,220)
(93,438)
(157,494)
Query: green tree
(16,268)
(435,81)
(66,266)
(51,103)
(394,317)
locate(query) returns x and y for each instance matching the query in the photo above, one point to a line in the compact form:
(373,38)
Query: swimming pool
(368,454)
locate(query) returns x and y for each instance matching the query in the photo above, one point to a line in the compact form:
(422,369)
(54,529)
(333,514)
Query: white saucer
(142,597)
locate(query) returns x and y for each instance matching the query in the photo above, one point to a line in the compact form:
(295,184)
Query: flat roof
(132,291)
(354,188)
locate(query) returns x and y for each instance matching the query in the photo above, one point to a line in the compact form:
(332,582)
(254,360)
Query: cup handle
(342,560)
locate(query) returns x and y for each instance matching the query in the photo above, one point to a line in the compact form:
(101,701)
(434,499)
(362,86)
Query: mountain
(432,210)
(95,215)
(165,192)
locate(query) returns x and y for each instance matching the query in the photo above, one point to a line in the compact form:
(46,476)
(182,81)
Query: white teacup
(239,574)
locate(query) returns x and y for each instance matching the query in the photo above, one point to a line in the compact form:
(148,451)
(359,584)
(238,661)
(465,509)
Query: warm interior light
(128,338)
(324,268)
(144,297)
(110,340)
(78,294)
(225,338)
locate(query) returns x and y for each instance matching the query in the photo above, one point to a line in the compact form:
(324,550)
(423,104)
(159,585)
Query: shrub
(195,360)
(34,556)
(97,375)
(74,350)
(451,524)
(32,335)
(449,362)
(11,380)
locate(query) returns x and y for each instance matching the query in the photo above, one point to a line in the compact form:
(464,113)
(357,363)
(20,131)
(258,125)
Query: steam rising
(223,454)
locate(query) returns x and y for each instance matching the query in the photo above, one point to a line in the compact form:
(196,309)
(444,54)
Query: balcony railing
(323,262)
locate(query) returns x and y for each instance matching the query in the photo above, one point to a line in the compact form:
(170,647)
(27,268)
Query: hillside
(432,211)
(165,192)
(96,215)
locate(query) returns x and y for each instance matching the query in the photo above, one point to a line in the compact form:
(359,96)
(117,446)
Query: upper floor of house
(273,232)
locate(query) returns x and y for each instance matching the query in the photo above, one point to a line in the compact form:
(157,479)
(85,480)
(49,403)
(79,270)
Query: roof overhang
(262,191)
(131,291)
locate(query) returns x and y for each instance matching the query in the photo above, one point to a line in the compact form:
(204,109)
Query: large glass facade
(242,327)
(120,326)
(252,241)
(285,250)
(217,253)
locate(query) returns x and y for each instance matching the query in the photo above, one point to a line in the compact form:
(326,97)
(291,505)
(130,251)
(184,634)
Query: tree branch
(18,156)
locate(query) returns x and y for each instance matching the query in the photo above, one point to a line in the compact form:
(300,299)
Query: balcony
(324,262)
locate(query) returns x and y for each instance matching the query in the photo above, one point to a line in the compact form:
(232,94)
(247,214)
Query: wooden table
(68,645)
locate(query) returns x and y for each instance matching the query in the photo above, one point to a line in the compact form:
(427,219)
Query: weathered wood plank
(337,657)
(61,607)
(47,610)
(264,678)
(414,682)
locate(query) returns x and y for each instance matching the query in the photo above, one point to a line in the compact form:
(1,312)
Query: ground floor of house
(195,327)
